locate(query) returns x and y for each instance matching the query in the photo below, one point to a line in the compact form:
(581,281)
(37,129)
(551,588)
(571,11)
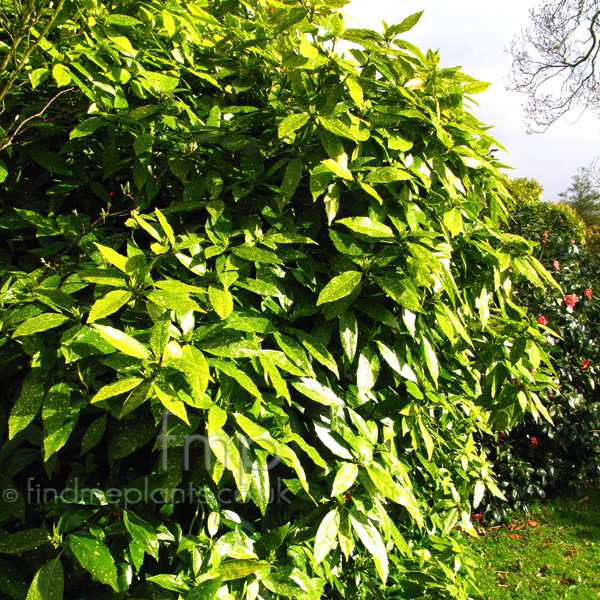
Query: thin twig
(7,141)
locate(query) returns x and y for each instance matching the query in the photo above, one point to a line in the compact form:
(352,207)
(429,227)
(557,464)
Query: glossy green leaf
(400,292)
(387,175)
(28,403)
(292,123)
(108,304)
(113,257)
(314,390)
(478,493)
(95,557)
(87,127)
(221,301)
(326,535)
(207,590)
(318,351)
(431,358)
(338,169)
(371,539)
(39,324)
(160,334)
(93,433)
(453,221)
(21,541)
(260,485)
(349,334)
(170,401)
(61,74)
(367,370)
(356,92)
(365,226)
(339,287)
(255,254)
(137,397)
(172,300)
(393,360)
(122,20)
(118,387)
(337,127)
(165,226)
(48,583)
(237,569)
(344,478)
(142,533)
(121,341)
(58,419)
(292,178)
(388,487)
(238,375)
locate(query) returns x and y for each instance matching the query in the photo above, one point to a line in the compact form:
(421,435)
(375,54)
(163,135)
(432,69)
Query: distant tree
(555,60)
(584,196)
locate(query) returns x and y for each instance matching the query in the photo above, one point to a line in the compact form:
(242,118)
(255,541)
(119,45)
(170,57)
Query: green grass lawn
(554,552)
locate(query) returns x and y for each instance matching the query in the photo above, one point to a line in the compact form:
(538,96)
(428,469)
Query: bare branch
(8,139)
(555,61)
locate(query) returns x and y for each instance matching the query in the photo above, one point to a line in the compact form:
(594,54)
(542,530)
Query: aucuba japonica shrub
(256,306)
(536,458)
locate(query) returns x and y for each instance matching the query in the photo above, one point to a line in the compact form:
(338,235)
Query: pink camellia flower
(556,265)
(572,240)
(542,320)
(588,292)
(534,443)
(585,364)
(571,300)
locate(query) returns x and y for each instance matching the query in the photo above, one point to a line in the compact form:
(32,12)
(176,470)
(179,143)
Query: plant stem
(29,50)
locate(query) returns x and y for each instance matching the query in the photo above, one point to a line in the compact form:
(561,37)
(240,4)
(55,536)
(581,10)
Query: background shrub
(534,457)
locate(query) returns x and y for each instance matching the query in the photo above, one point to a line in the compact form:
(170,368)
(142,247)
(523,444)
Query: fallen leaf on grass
(533,523)
(514,536)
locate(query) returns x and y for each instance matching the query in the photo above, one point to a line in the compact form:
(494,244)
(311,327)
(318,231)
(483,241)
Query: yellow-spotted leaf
(40,323)
(371,539)
(292,123)
(221,301)
(316,391)
(339,287)
(368,227)
(344,478)
(326,535)
(116,388)
(121,341)
(108,304)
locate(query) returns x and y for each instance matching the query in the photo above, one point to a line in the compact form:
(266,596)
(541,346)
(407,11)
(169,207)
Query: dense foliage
(534,459)
(257,306)
(525,191)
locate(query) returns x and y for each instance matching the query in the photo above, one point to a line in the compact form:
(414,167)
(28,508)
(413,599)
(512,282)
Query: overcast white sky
(475,35)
